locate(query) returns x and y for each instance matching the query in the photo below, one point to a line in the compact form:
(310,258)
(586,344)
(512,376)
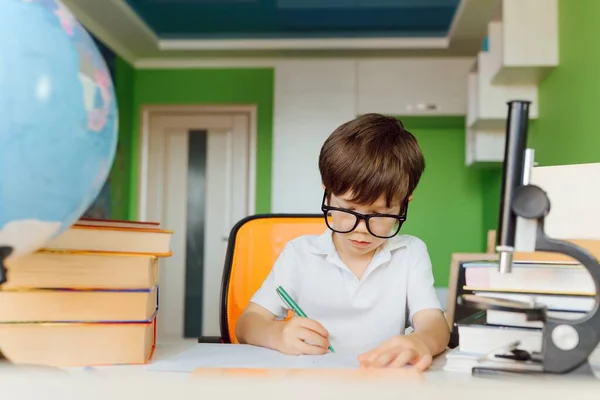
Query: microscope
(566,344)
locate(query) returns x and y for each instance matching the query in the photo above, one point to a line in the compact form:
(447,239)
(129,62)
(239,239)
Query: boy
(360,281)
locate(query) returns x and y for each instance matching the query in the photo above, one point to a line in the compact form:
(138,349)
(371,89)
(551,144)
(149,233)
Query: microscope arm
(566,344)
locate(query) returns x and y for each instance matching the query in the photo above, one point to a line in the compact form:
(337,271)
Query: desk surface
(137,382)
(167,349)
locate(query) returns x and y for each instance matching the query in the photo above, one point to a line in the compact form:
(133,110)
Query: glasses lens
(384,227)
(340,221)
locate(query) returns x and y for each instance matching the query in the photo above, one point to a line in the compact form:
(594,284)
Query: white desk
(136,382)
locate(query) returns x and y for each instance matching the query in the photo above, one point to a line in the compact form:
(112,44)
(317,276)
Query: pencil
(292,304)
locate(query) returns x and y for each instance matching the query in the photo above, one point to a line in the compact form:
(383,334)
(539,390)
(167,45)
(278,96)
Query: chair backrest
(254,244)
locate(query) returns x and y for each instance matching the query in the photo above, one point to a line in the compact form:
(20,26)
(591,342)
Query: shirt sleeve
(421,294)
(281,275)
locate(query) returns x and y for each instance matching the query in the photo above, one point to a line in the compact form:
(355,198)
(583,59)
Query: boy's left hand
(398,352)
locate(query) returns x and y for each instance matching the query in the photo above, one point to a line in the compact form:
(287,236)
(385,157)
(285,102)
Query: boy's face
(360,241)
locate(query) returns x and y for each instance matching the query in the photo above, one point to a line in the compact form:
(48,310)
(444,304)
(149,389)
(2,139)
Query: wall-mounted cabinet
(311,99)
(484,145)
(413,86)
(524,38)
(487,102)
(522,51)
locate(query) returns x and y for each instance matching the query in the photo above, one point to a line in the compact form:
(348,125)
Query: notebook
(216,355)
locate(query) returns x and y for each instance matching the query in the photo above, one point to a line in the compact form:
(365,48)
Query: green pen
(292,304)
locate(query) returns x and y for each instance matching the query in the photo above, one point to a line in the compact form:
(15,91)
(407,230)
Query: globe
(58,123)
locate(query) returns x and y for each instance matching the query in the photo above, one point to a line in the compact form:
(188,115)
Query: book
(555,302)
(114,239)
(78,305)
(530,277)
(47,269)
(81,344)
(515,319)
(476,336)
(457,360)
(89,297)
(116,223)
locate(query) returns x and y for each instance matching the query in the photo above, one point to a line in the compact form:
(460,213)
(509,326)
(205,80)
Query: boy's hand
(302,336)
(398,352)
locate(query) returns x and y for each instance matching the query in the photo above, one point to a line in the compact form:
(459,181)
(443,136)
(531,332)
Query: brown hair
(371,155)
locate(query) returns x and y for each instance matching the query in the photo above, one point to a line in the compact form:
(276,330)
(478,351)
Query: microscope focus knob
(530,202)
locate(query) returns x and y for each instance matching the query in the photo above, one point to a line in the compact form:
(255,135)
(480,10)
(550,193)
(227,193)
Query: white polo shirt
(359,314)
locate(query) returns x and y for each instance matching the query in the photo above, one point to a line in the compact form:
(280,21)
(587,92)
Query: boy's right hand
(302,335)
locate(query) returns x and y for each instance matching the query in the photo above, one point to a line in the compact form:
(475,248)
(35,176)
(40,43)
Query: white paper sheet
(211,355)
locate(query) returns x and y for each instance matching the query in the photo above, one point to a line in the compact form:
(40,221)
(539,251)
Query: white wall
(313,97)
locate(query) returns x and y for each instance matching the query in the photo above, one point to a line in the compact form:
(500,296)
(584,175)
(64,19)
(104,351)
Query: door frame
(148,111)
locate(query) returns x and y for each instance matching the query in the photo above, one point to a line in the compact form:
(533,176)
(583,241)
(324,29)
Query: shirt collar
(323,244)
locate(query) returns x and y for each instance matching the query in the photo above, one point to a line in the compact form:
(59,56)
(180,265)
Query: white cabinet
(312,98)
(524,36)
(523,49)
(413,86)
(487,103)
(484,145)
(487,112)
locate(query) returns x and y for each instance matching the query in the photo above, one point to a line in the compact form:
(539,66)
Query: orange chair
(254,244)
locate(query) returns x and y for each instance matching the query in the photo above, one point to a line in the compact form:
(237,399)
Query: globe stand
(5,251)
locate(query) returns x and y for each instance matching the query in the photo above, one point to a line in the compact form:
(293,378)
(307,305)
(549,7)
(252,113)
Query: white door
(172,187)
(226,180)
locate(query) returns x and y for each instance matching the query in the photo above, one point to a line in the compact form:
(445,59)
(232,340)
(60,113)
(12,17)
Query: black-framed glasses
(342,220)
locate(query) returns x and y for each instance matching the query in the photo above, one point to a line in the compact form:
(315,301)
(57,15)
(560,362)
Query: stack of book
(90,297)
(566,289)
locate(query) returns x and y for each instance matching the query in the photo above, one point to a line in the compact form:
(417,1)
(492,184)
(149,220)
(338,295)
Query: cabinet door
(415,86)
(312,98)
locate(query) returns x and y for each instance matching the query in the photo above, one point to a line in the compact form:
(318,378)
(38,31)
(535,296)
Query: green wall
(208,86)
(567,131)
(447,209)
(491,189)
(121,170)
(454,205)
(448,212)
